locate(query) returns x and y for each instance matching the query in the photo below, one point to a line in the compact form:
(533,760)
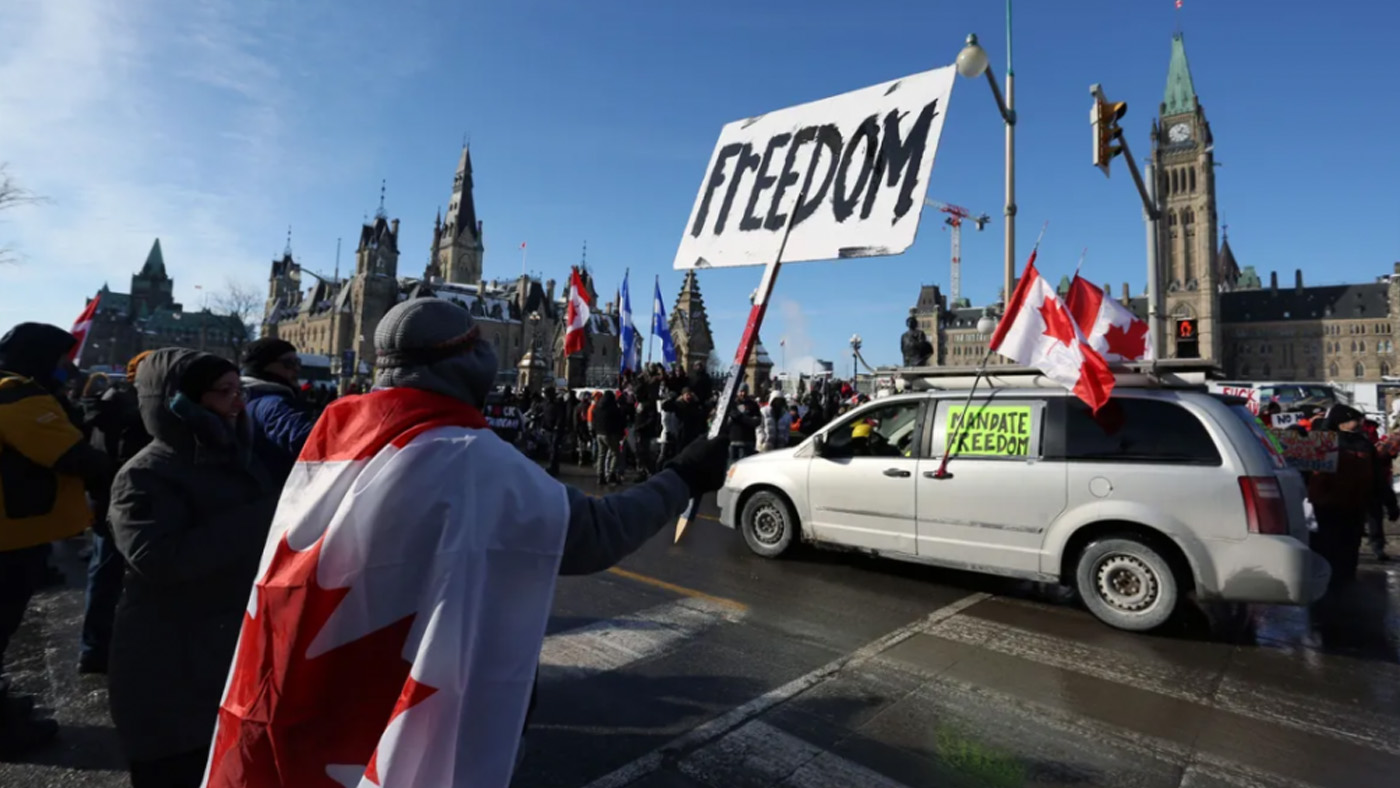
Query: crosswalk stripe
(618,642)
(760,753)
(1304,712)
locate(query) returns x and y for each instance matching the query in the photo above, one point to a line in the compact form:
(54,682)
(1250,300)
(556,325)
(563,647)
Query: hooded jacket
(281,420)
(190,513)
(43,457)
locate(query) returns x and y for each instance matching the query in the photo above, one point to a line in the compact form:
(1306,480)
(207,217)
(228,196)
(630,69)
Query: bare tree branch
(12,195)
(241,301)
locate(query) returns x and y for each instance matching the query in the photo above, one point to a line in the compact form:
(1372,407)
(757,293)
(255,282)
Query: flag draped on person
(627,333)
(1037,331)
(576,316)
(81,326)
(660,328)
(1109,327)
(394,631)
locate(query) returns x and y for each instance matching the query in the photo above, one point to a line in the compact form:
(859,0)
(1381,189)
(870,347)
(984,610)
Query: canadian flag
(1109,327)
(577,314)
(1038,331)
(392,637)
(81,326)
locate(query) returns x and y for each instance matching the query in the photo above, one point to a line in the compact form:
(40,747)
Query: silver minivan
(1164,492)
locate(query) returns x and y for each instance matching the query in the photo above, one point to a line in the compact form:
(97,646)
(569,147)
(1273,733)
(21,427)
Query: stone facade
(1253,331)
(148,318)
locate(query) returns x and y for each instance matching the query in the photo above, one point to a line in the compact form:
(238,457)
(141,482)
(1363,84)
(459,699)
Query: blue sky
(216,124)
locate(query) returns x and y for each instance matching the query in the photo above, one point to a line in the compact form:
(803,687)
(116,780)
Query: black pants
(104,588)
(1338,539)
(641,450)
(21,572)
(556,447)
(185,770)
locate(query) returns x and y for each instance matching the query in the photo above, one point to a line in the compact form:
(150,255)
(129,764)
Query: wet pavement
(700,664)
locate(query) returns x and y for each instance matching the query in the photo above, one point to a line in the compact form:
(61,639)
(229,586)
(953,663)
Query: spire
(583,261)
(379,214)
(464,217)
(155,263)
(1180,96)
(287,250)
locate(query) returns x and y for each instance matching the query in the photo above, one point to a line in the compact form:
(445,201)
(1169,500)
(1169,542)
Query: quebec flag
(659,326)
(631,348)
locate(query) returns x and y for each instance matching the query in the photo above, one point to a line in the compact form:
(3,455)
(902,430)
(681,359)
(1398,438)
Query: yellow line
(672,587)
(708,517)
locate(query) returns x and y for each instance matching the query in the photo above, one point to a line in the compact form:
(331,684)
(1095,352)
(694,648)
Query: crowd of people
(177,469)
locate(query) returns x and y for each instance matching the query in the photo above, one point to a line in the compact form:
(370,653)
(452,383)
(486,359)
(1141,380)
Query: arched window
(1353,346)
(1359,370)
(1385,370)
(1171,218)
(1332,370)
(1192,173)
(1176,181)
(1361,346)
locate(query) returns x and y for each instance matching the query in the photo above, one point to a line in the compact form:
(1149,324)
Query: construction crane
(956,215)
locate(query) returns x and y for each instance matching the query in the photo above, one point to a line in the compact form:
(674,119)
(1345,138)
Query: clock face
(1179,133)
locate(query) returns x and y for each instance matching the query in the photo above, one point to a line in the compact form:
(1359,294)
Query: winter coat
(118,432)
(647,422)
(1355,486)
(692,417)
(743,425)
(281,420)
(44,461)
(190,514)
(608,419)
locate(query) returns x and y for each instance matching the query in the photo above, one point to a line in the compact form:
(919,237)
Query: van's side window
(1133,430)
(991,429)
(890,431)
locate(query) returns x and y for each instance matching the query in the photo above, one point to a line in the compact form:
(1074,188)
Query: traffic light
(1104,118)
(1187,341)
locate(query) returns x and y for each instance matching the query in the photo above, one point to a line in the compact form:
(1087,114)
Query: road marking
(657,582)
(615,643)
(709,517)
(759,752)
(709,731)
(1141,669)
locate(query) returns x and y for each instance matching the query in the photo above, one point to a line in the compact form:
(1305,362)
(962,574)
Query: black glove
(702,465)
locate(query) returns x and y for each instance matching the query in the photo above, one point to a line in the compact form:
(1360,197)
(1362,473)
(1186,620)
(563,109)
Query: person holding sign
(1343,499)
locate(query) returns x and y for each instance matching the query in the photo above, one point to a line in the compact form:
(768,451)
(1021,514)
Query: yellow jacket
(37,505)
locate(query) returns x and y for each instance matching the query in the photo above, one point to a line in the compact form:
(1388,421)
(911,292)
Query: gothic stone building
(148,318)
(522,317)
(1255,332)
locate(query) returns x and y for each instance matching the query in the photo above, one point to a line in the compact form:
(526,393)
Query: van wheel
(1126,583)
(768,524)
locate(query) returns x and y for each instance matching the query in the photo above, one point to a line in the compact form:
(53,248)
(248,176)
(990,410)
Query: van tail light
(1264,506)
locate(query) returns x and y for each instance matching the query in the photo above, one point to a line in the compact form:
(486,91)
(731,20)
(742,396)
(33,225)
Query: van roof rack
(1173,373)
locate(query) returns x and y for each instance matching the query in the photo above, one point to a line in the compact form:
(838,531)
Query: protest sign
(849,171)
(1284,420)
(991,431)
(1312,451)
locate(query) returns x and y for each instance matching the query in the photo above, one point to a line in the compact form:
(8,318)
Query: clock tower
(1182,151)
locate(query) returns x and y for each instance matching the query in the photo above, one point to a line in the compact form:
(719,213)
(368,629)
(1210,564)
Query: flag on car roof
(1109,327)
(1038,331)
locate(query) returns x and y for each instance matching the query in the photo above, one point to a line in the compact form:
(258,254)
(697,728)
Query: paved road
(700,665)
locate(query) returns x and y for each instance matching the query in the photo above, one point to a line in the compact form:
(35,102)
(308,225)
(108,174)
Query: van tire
(768,523)
(1126,583)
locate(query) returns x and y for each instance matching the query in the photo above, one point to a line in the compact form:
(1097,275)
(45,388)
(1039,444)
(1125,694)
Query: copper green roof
(155,263)
(1180,97)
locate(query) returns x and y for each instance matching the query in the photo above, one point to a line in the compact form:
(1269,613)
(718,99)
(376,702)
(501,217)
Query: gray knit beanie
(434,345)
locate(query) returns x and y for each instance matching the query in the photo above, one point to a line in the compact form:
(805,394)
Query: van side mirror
(819,444)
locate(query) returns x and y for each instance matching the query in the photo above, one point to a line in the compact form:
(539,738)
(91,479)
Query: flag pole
(651,334)
(741,355)
(1082,255)
(952,445)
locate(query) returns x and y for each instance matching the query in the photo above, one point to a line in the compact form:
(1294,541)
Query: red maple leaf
(1057,322)
(288,716)
(1130,344)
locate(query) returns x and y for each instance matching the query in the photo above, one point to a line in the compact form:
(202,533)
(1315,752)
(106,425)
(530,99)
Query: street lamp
(972,63)
(855,353)
(987,323)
